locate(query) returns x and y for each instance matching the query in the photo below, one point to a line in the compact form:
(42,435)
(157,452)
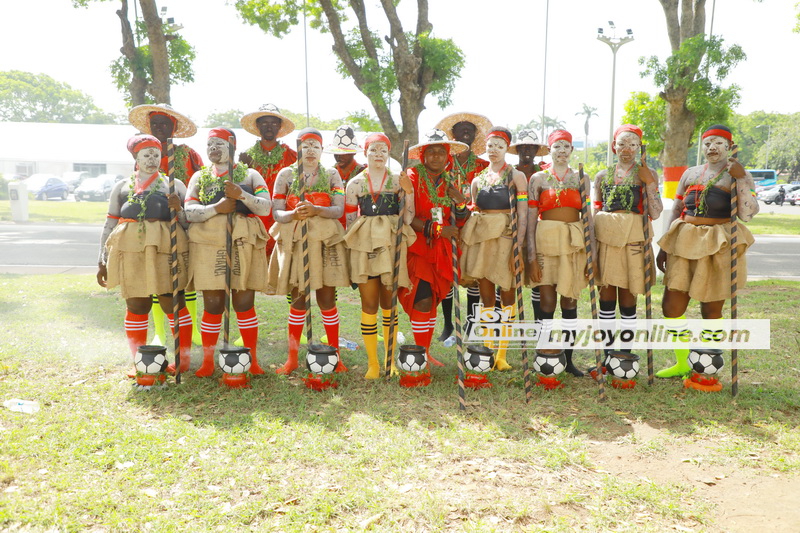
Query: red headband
(719,133)
(622,129)
(377,138)
(139,142)
(223,133)
(162,114)
(501,134)
(311,135)
(559,135)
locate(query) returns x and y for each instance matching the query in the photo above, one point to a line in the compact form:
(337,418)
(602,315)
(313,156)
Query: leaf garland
(621,192)
(266,159)
(179,169)
(141,199)
(433,190)
(468,167)
(322,185)
(208,185)
(701,206)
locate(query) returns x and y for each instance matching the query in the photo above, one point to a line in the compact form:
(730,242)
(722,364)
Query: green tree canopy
(28,97)
(403,67)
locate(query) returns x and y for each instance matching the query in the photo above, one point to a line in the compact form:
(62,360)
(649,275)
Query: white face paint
(377,154)
(496,149)
(560,151)
(715,148)
(217,150)
(312,150)
(148,159)
(628,146)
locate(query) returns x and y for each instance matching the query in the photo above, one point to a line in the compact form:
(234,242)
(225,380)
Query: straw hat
(140,118)
(529,137)
(481,123)
(267,110)
(344,141)
(436,136)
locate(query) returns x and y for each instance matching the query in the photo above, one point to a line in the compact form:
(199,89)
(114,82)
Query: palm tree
(589,112)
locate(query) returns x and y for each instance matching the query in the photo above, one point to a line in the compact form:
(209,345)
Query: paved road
(72,248)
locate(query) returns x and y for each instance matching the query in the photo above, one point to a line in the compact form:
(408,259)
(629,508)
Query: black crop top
(622,198)
(717,203)
(495,197)
(387,204)
(240,207)
(156,208)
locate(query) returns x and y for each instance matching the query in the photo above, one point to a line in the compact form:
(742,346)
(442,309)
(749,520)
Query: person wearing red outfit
(136,239)
(430,261)
(163,122)
(268,156)
(470,129)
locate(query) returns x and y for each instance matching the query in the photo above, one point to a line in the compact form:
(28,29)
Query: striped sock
(627,323)
(135,330)
(248,329)
(210,326)
(608,321)
(330,319)
(185,329)
(297,320)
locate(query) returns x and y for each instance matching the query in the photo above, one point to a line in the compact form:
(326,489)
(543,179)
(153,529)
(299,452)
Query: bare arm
(114,210)
(355,189)
(597,204)
(336,208)
(747,206)
(279,204)
(195,210)
(406,188)
(521,185)
(259,203)
(654,204)
(532,216)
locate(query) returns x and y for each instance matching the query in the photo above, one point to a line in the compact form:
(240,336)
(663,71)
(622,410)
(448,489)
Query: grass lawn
(774,224)
(60,211)
(371,455)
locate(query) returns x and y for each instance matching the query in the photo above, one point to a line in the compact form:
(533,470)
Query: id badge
(437,215)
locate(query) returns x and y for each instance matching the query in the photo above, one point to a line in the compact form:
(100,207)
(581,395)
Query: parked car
(46,186)
(95,189)
(114,177)
(770,195)
(73,179)
(793,197)
(762,188)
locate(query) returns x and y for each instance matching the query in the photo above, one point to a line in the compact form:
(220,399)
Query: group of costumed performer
(372,207)
(213,193)
(163,122)
(556,251)
(619,194)
(321,206)
(488,246)
(695,253)
(470,129)
(135,247)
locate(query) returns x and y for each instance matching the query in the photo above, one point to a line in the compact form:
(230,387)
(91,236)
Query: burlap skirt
(327,256)
(370,244)
(139,261)
(248,257)
(561,254)
(699,259)
(620,251)
(487,249)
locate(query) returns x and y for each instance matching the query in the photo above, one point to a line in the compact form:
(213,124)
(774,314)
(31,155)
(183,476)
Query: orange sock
(297,319)
(248,329)
(210,326)
(185,329)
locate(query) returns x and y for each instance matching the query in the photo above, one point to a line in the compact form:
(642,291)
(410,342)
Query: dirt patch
(745,499)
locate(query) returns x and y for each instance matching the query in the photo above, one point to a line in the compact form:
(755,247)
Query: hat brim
(456,147)
(331,149)
(139,117)
(249,123)
(482,127)
(541,152)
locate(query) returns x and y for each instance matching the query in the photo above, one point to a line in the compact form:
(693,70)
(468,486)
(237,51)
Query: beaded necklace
(209,184)
(263,158)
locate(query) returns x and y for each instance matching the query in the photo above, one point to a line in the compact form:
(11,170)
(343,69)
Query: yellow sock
(387,318)
(500,362)
(369,331)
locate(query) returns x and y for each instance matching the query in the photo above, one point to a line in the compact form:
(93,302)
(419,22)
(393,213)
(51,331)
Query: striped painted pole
(304,243)
(587,242)
(173,246)
(734,282)
(462,404)
(398,239)
(515,244)
(648,265)
(228,257)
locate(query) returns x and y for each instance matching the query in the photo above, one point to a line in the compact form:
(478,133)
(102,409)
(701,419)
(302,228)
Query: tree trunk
(159,88)
(138,84)
(679,131)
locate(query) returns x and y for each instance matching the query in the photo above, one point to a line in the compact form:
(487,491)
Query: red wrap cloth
(320,199)
(428,262)
(270,174)
(193,162)
(352,170)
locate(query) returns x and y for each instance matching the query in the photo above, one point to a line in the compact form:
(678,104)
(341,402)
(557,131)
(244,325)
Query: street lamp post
(614,43)
(769,135)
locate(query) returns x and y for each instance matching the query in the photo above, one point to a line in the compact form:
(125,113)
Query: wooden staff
(515,245)
(587,243)
(228,255)
(734,280)
(304,240)
(462,404)
(648,265)
(173,244)
(398,239)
